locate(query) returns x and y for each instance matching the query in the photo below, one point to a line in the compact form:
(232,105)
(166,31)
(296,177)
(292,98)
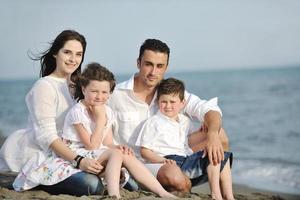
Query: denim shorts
(194,166)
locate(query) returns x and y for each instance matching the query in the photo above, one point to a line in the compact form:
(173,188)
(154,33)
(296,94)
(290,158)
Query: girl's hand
(169,161)
(125,149)
(90,165)
(99,113)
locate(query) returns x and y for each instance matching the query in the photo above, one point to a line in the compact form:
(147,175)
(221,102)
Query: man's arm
(209,113)
(214,148)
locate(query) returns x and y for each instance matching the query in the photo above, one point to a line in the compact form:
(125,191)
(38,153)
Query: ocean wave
(268,174)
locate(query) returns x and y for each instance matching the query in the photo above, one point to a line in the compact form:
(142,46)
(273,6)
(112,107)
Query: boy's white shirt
(165,136)
(131,113)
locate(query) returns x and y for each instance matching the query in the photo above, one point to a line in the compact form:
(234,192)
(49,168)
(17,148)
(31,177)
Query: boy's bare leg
(179,185)
(213,172)
(226,182)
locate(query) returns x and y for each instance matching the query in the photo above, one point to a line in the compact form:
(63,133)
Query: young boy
(164,139)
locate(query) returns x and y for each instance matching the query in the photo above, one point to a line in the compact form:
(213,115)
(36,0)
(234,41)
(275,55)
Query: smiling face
(96,93)
(68,58)
(170,105)
(152,66)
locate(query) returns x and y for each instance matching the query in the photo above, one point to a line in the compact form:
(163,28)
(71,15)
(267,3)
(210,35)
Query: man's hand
(214,148)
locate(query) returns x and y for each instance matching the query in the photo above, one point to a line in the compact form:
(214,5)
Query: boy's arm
(150,156)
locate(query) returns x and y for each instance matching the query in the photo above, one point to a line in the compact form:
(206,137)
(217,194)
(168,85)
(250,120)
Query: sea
(261,115)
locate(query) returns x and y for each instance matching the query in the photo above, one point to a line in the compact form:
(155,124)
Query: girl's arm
(94,140)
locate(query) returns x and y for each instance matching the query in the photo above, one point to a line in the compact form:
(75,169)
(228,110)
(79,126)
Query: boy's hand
(169,161)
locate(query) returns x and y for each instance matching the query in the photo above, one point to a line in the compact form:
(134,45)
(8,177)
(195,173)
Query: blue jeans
(78,184)
(82,183)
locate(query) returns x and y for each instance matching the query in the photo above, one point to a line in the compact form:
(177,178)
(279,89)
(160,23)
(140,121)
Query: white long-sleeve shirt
(131,113)
(48,102)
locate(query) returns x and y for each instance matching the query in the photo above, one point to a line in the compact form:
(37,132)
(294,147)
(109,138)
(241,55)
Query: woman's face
(68,58)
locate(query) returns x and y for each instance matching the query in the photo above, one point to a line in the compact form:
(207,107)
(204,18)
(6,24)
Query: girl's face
(68,58)
(96,93)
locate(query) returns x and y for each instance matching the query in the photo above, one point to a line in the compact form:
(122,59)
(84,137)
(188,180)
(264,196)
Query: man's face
(152,66)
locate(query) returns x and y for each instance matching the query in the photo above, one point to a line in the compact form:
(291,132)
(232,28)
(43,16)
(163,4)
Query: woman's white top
(48,102)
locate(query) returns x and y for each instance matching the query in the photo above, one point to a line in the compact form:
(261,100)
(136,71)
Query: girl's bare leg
(144,176)
(213,172)
(226,182)
(114,159)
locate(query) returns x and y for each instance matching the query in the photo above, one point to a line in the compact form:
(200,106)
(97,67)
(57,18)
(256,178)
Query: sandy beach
(199,192)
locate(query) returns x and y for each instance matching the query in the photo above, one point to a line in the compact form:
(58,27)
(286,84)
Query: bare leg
(144,176)
(175,184)
(114,160)
(226,182)
(213,172)
(197,140)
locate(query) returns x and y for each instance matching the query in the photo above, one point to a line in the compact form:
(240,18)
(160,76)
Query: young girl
(88,132)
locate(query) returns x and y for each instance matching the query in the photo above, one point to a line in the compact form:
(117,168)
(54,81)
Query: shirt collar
(127,85)
(180,117)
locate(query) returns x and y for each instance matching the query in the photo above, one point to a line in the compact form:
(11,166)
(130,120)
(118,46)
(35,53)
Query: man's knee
(172,178)
(224,139)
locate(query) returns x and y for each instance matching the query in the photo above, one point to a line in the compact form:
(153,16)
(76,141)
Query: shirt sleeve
(41,101)
(197,108)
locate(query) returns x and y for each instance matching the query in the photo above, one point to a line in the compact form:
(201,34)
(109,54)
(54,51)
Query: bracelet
(78,161)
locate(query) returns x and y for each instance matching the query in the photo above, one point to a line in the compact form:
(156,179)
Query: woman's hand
(90,165)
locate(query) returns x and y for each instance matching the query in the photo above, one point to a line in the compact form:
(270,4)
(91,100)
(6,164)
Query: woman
(48,102)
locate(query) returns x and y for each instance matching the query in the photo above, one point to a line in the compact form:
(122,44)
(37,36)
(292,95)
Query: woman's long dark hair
(47,60)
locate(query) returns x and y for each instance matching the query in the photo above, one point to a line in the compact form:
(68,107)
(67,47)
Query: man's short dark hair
(154,45)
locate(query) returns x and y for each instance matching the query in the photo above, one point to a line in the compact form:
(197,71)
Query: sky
(202,35)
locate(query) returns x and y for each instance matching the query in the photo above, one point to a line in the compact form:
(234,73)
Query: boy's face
(170,105)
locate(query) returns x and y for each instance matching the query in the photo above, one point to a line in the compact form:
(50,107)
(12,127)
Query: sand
(199,192)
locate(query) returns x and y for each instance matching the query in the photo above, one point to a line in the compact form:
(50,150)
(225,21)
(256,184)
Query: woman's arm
(86,164)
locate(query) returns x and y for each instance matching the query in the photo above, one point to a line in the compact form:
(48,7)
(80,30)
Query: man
(134,101)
